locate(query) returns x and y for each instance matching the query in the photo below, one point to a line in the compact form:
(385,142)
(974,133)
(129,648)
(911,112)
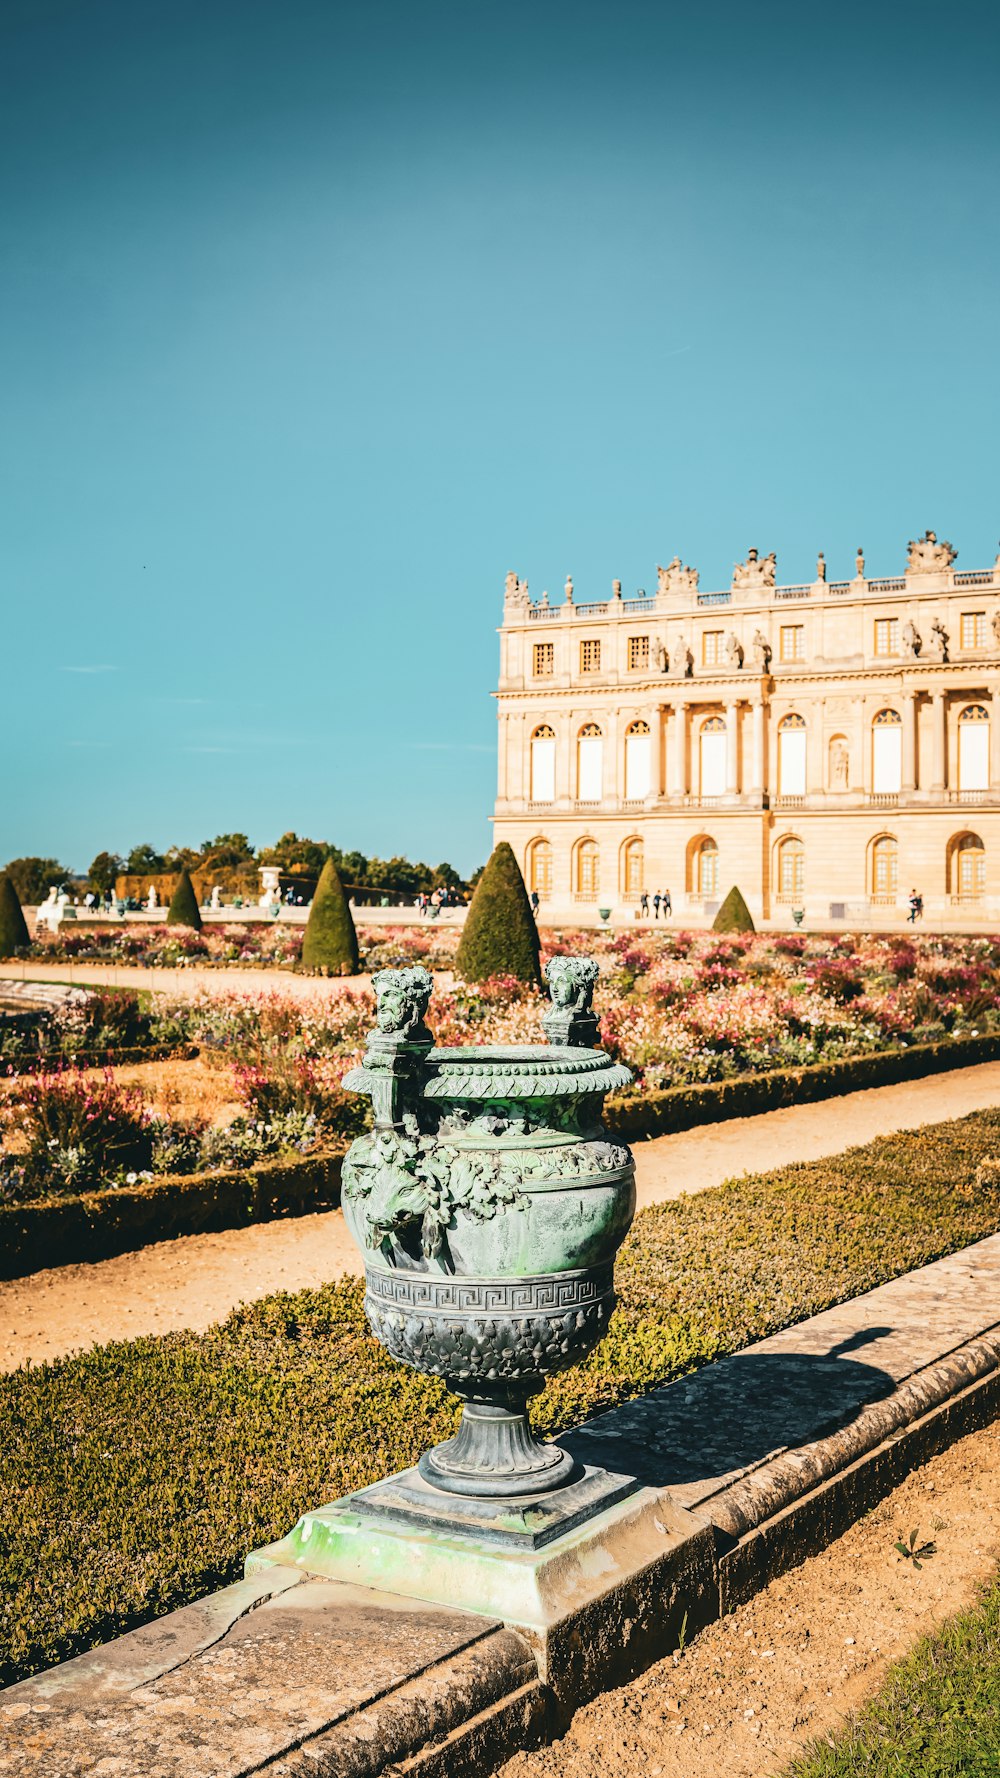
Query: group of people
(431,905)
(659,901)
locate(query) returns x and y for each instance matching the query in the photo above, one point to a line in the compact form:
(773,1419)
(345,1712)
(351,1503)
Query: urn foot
(495,1456)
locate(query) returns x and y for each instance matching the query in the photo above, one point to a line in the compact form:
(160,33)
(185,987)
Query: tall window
(973,629)
(590,657)
(543,660)
(974,748)
(707,869)
(885,868)
(886,635)
(588,870)
(711,648)
(712,756)
(638,774)
(792,756)
(793,642)
(968,867)
(589,764)
(543,765)
(638,653)
(887,753)
(540,868)
(632,869)
(791,869)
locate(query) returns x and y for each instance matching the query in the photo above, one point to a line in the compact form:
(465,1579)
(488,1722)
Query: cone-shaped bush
(330,943)
(14,935)
(183,909)
(500,936)
(734,915)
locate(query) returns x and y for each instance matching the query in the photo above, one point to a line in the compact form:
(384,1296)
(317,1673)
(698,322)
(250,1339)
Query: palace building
(829,746)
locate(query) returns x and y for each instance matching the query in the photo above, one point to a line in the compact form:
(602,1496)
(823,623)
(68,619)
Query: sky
(316,318)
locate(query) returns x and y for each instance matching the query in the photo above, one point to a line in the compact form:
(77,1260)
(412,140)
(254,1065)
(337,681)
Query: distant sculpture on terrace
(675,579)
(753,575)
(941,638)
(821,566)
(568,589)
(928,556)
(515,592)
(662,658)
(912,641)
(682,660)
(734,650)
(859,563)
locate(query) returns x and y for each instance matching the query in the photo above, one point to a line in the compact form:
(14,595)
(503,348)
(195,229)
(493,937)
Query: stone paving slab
(764,1456)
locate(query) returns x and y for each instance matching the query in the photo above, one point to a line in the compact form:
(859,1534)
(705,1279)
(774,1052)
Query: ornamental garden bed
(136,1476)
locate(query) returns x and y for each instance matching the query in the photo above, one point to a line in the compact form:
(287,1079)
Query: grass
(936,1715)
(136,1476)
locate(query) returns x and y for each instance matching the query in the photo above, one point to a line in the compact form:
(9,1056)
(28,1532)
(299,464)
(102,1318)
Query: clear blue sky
(316,318)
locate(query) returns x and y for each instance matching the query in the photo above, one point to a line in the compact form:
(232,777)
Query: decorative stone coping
(744,1468)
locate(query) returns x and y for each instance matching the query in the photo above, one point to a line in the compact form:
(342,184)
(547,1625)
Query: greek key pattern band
(556,1293)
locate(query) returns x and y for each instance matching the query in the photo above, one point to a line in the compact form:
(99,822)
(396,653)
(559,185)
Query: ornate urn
(489,1204)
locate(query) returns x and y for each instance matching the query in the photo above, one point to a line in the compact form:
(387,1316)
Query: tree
(228,849)
(14,935)
(291,853)
(183,909)
(104,871)
(33,878)
(500,936)
(330,943)
(143,861)
(734,915)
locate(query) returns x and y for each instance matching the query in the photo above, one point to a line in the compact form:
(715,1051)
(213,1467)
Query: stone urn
(489,1204)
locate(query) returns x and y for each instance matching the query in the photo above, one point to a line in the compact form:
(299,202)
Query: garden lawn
(137,1476)
(937,1714)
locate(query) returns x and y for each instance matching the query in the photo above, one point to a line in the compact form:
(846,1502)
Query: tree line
(293,854)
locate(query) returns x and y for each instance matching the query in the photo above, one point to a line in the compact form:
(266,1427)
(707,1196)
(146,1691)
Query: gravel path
(197,1279)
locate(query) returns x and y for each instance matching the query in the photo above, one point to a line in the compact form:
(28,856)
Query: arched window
(707,872)
(589,764)
(885,868)
(632,869)
(638,775)
(712,757)
(540,868)
(588,871)
(791,868)
(974,748)
(543,765)
(887,753)
(792,756)
(968,867)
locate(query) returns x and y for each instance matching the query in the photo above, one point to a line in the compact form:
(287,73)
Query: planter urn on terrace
(489,1203)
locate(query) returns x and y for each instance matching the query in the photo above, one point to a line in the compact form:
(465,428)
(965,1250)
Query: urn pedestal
(488,1203)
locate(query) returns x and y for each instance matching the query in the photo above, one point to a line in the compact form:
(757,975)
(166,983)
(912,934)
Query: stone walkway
(197,1279)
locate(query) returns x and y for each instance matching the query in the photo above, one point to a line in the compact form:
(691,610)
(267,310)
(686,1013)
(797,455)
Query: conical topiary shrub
(183,909)
(330,943)
(14,935)
(500,936)
(734,915)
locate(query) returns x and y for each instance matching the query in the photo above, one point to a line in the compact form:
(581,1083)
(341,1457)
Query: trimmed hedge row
(96,1225)
(110,1057)
(136,1476)
(682,1108)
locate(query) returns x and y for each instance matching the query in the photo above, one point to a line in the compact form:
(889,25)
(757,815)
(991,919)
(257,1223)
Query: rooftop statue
(569,589)
(754,574)
(859,563)
(928,556)
(821,566)
(675,579)
(515,592)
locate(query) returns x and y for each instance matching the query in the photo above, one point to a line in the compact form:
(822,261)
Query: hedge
(136,1476)
(330,941)
(95,1225)
(53,1061)
(660,1113)
(500,934)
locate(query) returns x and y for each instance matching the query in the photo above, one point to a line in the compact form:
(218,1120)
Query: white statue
(911,637)
(568,589)
(859,563)
(928,556)
(821,566)
(152,899)
(941,638)
(515,592)
(734,650)
(753,575)
(761,651)
(675,579)
(682,660)
(840,760)
(215,900)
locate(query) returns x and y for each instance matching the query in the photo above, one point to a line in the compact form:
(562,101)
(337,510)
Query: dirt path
(753,1690)
(197,1279)
(183,983)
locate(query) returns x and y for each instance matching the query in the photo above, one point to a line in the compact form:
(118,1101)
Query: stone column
(566,728)
(732,748)
(757,762)
(678,749)
(940,754)
(909,714)
(995,735)
(862,729)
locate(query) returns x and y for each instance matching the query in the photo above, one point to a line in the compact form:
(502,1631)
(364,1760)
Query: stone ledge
(758,1460)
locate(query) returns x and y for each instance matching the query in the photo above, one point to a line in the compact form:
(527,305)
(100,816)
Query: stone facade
(828,746)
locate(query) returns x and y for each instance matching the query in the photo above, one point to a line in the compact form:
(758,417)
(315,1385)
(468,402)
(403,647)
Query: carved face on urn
(402,997)
(571,981)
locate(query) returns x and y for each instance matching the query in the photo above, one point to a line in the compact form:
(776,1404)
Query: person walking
(656,905)
(644,904)
(914,905)
(668,906)
(535,902)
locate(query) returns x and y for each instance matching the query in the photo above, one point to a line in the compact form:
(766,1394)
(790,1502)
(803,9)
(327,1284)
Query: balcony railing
(839,586)
(789,802)
(539,613)
(896,585)
(975,577)
(882,799)
(969,796)
(637,607)
(793,592)
(715,598)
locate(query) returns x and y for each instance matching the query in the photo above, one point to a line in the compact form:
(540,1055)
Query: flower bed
(136,1476)
(99,1024)
(245,944)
